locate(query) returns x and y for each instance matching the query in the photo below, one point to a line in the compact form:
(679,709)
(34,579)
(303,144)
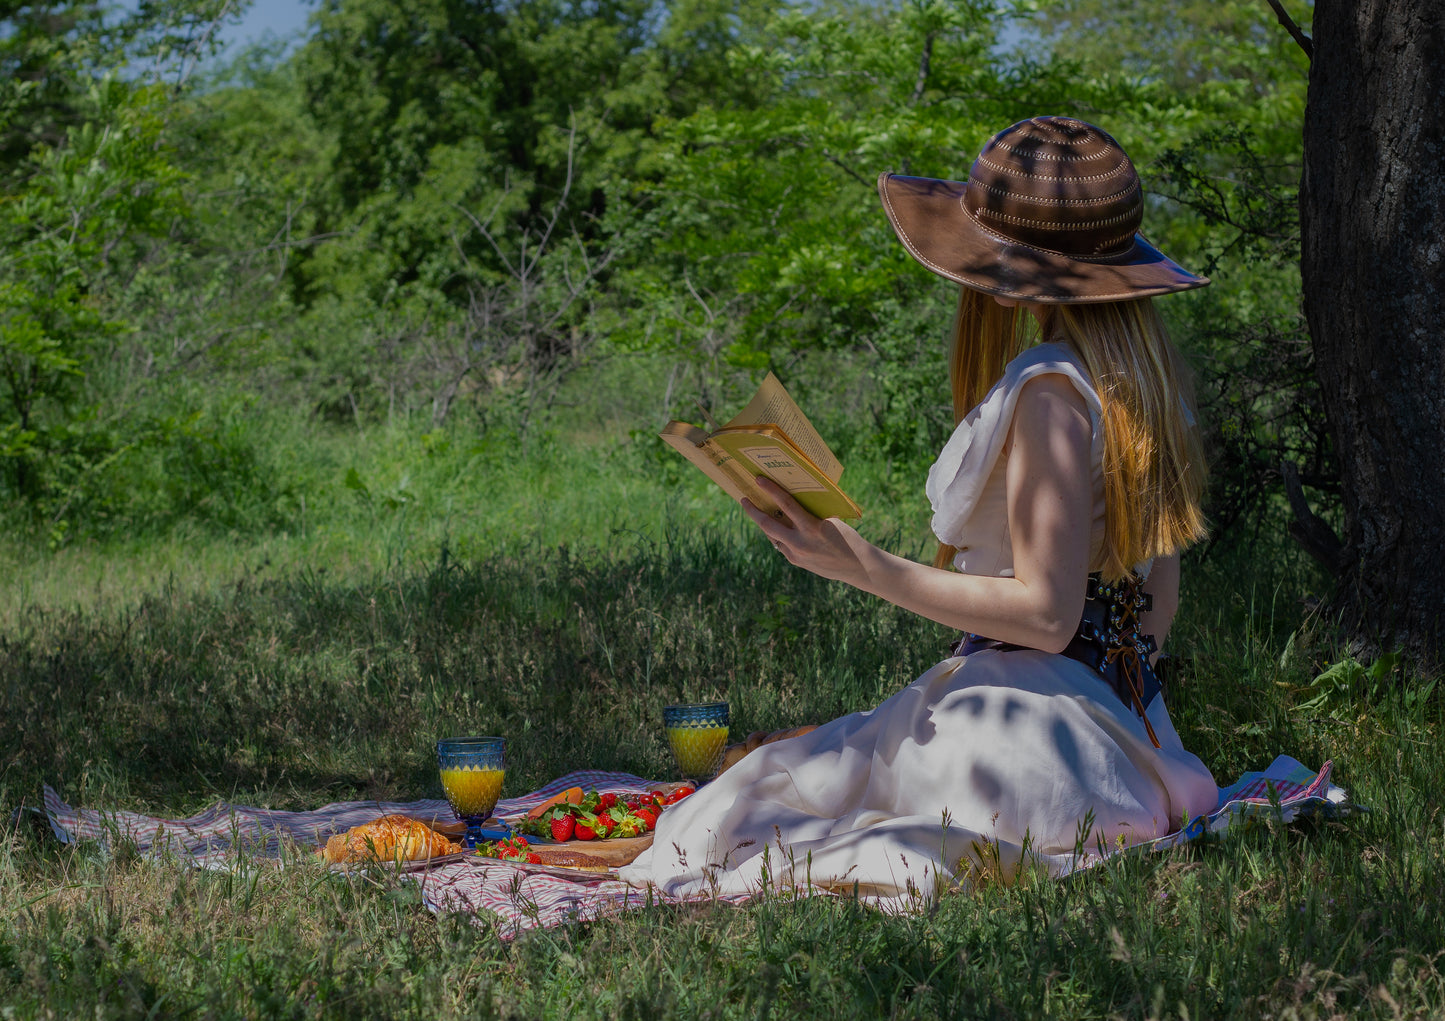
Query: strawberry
(563,827)
(606,801)
(585,832)
(605,825)
(648,817)
(533,858)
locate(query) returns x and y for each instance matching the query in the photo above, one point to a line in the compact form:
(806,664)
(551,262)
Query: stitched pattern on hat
(1121,168)
(1016,243)
(1050,201)
(1024,221)
(1061,157)
(1104,246)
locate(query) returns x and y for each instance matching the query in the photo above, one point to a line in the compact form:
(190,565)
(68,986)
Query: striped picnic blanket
(518,898)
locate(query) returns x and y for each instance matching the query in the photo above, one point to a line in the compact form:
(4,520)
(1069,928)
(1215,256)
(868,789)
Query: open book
(771,437)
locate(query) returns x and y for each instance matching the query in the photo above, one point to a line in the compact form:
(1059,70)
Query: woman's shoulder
(1043,359)
(959,475)
(1050,390)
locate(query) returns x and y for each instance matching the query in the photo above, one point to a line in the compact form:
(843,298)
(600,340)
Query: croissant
(389,838)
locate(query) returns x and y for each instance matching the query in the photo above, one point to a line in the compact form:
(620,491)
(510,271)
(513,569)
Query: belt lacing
(1107,641)
(1124,645)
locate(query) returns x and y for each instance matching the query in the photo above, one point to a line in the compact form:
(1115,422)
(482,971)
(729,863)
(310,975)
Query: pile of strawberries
(575,815)
(512,847)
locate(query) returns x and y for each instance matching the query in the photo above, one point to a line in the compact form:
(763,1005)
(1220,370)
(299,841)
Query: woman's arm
(1050,501)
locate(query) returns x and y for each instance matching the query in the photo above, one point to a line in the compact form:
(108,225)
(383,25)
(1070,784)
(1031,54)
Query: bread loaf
(733,753)
(390,838)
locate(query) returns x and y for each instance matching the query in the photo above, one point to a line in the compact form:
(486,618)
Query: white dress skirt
(979,761)
(983,761)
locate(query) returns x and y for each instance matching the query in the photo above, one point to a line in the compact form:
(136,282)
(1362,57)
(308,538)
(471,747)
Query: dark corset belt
(1108,641)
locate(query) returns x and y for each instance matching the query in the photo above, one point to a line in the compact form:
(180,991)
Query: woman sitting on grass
(1062,500)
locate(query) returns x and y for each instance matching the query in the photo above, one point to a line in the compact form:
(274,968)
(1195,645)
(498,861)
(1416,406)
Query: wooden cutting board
(617,852)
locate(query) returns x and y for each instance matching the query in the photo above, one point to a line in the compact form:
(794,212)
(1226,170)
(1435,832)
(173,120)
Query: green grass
(563,605)
(350,500)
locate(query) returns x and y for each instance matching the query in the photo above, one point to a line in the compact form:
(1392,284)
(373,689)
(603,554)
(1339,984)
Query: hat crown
(1057,184)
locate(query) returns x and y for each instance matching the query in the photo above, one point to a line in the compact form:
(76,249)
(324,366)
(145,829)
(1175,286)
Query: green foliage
(65,234)
(1343,687)
(446,108)
(1220,47)
(767,216)
(452,205)
(46,55)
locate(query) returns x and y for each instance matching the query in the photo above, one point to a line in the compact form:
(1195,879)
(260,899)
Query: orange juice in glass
(697,733)
(471,772)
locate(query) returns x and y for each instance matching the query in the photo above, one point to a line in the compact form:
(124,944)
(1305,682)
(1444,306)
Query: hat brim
(930,219)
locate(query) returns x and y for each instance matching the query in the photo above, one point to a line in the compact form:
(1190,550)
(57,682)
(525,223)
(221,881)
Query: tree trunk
(1372,208)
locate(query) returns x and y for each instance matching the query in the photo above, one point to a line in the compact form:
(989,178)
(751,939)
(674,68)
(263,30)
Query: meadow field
(560,600)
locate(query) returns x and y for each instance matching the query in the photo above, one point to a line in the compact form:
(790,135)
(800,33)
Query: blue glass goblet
(471,770)
(697,734)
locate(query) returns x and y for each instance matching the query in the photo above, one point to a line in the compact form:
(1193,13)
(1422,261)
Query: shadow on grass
(310,687)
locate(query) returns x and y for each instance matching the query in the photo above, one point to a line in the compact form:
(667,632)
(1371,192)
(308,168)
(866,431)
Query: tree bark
(1372,209)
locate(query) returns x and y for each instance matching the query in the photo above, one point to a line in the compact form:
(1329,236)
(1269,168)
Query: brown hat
(1049,213)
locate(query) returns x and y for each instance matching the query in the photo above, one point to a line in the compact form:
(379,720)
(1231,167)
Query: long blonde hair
(1154,469)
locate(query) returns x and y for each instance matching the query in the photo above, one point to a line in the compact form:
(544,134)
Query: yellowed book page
(771,405)
(717,464)
(767,450)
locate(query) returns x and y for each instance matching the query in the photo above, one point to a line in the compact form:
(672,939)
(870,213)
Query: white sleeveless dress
(979,762)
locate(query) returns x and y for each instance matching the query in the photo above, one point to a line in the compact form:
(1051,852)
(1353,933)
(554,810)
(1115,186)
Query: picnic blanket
(515,898)
(1287,790)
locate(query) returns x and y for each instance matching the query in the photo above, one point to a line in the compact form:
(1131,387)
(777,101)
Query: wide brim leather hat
(1050,213)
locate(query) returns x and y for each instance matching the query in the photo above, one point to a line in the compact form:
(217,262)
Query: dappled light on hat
(1050,212)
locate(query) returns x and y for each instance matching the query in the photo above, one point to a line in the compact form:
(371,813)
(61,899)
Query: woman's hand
(825,546)
(1050,500)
